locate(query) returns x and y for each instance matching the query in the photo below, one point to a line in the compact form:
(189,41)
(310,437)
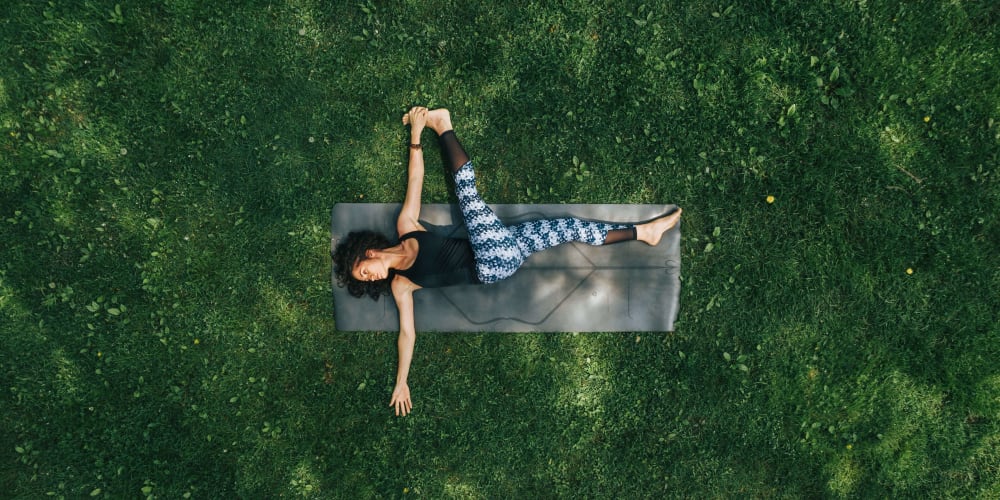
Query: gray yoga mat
(569,288)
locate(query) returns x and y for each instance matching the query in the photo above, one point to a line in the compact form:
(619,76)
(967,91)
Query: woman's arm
(409,217)
(402,291)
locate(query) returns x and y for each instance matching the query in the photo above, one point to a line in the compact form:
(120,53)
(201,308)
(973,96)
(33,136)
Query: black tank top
(441,261)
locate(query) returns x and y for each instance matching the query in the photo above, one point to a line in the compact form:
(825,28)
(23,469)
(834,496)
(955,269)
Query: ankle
(439,120)
(441,129)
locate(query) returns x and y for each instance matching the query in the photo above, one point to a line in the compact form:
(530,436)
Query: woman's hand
(417,119)
(401,399)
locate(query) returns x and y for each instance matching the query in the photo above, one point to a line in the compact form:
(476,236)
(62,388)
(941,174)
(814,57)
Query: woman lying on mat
(367,263)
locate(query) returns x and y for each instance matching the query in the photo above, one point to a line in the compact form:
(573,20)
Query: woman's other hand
(401,399)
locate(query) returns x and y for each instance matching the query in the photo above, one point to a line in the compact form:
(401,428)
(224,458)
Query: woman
(368,264)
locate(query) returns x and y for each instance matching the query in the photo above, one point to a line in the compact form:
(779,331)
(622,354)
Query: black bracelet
(416,146)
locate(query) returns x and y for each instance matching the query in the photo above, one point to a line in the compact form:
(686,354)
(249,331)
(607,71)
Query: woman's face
(370,269)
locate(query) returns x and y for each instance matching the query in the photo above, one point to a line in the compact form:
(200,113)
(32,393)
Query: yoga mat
(573,287)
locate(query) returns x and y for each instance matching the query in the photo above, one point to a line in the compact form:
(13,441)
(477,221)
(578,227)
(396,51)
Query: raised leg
(439,120)
(496,251)
(452,150)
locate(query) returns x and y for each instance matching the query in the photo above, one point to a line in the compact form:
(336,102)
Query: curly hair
(348,252)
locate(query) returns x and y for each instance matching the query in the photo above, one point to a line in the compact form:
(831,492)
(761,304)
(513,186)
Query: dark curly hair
(348,252)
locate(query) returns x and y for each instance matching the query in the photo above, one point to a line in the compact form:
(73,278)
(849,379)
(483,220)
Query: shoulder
(402,285)
(405,226)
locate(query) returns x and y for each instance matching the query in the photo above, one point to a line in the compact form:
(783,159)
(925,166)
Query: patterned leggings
(500,250)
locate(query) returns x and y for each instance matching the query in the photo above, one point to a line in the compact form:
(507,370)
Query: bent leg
(497,254)
(496,251)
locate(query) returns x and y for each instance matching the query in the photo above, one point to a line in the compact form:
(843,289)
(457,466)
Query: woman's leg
(439,120)
(500,250)
(537,235)
(496,251)
(452,150)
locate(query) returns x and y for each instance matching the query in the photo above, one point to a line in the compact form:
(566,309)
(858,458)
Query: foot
(651,232)
(439,120)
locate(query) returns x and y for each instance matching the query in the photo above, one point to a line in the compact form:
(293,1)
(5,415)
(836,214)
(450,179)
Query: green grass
(166,175)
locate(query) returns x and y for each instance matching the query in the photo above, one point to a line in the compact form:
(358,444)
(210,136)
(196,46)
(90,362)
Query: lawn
(167,171)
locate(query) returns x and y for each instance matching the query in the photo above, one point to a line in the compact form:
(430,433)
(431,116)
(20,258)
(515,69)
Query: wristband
(416,146)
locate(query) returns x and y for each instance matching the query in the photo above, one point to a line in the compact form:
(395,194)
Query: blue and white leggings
(500,250)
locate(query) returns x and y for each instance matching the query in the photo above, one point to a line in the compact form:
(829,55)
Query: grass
(166,175)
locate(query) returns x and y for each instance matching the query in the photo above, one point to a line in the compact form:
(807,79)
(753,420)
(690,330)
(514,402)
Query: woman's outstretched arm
(409,217)
(402,291)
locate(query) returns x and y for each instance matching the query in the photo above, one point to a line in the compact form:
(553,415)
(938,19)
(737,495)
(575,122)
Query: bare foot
(651,232)
(439,120)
